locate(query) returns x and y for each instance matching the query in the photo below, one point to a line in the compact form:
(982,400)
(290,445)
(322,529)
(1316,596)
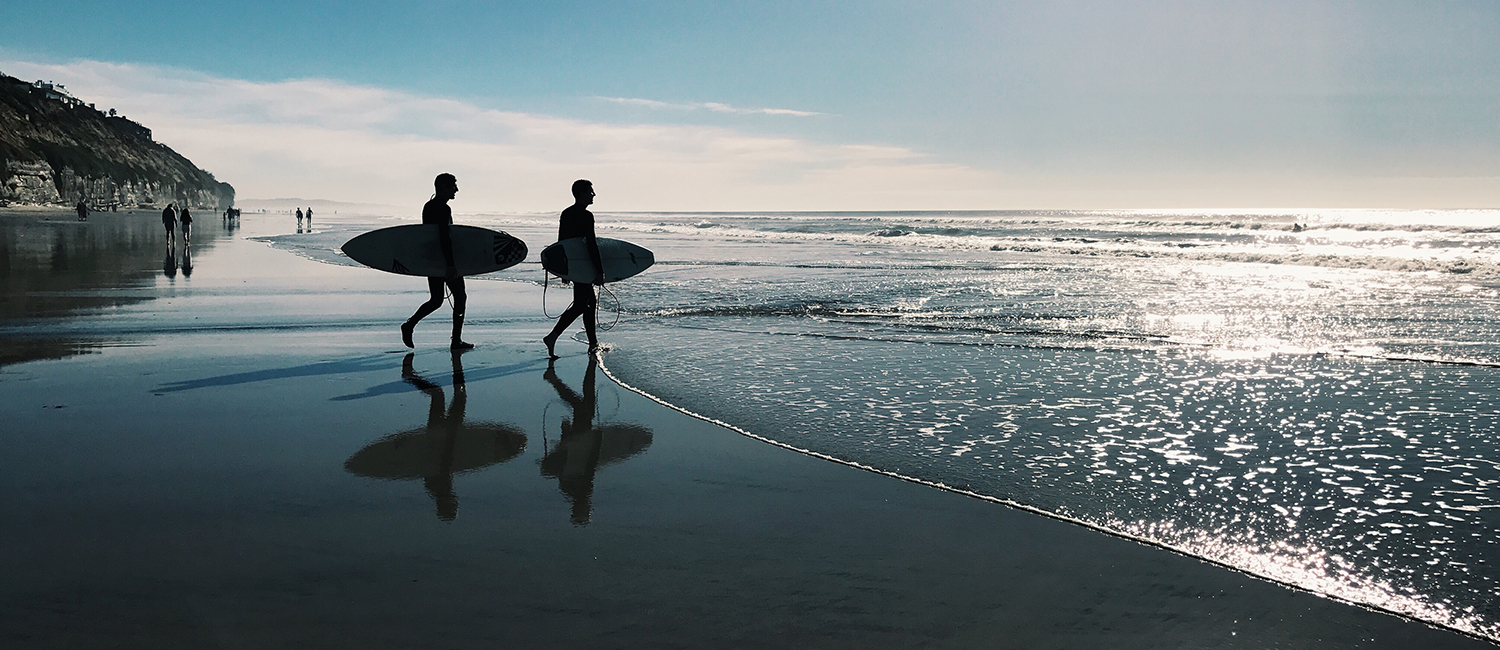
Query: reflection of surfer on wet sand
(446,446)
(584,447)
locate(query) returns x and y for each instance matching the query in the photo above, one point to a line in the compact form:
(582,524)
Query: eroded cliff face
(55,149)
(29,182)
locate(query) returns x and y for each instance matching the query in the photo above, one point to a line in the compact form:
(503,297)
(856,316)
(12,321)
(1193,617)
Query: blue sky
(986,104)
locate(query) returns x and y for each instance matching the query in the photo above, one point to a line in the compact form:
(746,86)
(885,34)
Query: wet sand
(247,457)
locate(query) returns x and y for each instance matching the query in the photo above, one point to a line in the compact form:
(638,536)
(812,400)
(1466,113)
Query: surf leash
(613,297)
(545,276)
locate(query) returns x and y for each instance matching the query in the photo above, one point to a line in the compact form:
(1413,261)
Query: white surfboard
(569,259)
(414,250)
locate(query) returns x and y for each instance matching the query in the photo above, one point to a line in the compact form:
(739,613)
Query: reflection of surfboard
(414,250)
(569,259)
(620,441)
(420,453)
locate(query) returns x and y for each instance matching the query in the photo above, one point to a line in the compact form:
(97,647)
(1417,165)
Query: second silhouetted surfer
(577,221)
(438,213)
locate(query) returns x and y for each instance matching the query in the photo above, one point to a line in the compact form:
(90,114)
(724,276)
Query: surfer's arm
(593,246)
(445,242)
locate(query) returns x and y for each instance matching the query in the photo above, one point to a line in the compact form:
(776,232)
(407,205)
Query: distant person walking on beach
(437,212)
(309,218)
(169,221)
(186,219)
(299,219)
(577,221)
(83,211)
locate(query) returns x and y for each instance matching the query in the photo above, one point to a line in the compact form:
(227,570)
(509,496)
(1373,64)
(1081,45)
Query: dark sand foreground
(246,457)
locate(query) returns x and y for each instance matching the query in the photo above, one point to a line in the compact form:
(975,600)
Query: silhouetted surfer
(577,221)
(437,212)
(83,211)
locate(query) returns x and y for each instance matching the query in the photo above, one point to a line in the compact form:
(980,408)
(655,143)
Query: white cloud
(711,106)
(327,139)
(317,138)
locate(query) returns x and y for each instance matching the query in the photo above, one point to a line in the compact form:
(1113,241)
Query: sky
(808,105)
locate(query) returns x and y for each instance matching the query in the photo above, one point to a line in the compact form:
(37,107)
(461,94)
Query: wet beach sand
(245,456)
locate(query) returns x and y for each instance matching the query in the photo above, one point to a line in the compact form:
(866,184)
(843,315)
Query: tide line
(1472,633)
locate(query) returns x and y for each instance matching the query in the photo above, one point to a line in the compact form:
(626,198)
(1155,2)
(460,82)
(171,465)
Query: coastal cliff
(57,149)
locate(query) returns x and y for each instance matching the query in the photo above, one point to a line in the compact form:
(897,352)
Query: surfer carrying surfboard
(437,212)
(577,221)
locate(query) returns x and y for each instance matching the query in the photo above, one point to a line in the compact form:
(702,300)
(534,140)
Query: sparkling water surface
(1308,396)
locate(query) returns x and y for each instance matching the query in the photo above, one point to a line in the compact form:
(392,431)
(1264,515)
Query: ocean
(1307,396)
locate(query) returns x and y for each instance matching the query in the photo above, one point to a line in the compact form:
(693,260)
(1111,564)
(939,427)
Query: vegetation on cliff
(57,149)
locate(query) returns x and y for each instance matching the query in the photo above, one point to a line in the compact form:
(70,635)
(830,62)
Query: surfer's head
(446,186)
(583,192)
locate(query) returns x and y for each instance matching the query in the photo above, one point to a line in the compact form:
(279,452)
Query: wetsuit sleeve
(445,242)
(436,214)
(592,243)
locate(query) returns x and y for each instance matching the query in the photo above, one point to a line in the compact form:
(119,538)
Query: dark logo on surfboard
(508,250)
(398,267)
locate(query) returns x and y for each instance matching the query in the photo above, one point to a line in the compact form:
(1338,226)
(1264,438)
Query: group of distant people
(300,216)
(83,209)
(575,222)
(174,220)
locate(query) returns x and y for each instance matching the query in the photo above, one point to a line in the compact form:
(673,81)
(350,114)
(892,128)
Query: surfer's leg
(435,300)
(563,321)
(460,302)
(584,295)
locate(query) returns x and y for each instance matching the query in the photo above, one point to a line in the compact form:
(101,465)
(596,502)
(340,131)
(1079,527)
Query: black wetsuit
(169,220)
(575,222)
(579,222)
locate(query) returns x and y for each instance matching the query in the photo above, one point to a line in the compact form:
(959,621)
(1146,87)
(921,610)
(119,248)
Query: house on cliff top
(55,92)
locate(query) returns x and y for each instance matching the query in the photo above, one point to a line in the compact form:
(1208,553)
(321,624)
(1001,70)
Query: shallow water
(1309,396)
